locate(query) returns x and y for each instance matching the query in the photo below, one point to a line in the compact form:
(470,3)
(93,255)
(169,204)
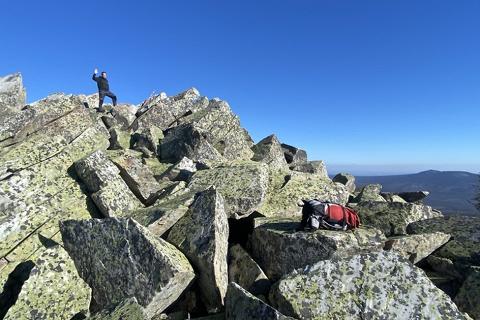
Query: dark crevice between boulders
(175,123)
(6,175)
(286,179)
(189,303)
(79,316)
(241,229)
(91,207)
(94,307)
(13,286)
(447,283)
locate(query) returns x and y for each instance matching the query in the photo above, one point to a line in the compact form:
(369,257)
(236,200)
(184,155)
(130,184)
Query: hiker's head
(104,74)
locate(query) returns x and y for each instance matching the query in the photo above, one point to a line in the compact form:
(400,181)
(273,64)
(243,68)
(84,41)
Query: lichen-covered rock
(286,190)
(417,247)
(188,141)
(119,259)
(124,114)
(47,141)
(37,116)
(24,232)
(468,297)
(242,184)
(242,269)
(370,192)
(241,305)
(158,168)
(375,285)
(393,217)
(109,191)
(129,309)
(269,151)
(119,139)
(147,140)
(150,102)
(315,167)
(54,289)
(165,213)
(138,177)
(346,179)
(202,235)
(294,155)
(44,191)
(11,123)
(12,92)
(279,249)
(464,247)
(222,130)
(163,113)
(181,171)
(90,101)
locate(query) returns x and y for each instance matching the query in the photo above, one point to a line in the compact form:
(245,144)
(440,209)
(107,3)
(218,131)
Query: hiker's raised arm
(94,77)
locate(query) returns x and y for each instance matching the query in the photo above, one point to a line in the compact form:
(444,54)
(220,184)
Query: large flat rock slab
(393,217)
(464,247)
(47,142)
(54,290)
(279,249)
(243,185)
(36,116)
(418,246)
(119,259)
(287,188)
(45,192)
(375,285)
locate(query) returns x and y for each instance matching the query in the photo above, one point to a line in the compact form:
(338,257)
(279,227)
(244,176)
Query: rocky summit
(169,210)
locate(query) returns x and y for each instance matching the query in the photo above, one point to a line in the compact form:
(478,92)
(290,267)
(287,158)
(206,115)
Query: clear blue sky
(395,84)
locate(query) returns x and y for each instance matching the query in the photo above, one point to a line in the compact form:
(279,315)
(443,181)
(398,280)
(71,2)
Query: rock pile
(168,210)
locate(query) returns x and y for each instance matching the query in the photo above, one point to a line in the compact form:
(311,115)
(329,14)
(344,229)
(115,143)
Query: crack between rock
(24,239)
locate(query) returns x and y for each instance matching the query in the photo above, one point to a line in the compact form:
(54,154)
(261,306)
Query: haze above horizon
(354,83)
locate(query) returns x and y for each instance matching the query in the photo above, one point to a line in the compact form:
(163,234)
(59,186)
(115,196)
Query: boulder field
(169,210)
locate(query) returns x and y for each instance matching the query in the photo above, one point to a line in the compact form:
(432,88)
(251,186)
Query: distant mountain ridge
(452,192)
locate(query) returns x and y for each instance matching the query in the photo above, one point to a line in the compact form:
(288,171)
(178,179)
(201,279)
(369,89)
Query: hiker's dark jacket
(102,83)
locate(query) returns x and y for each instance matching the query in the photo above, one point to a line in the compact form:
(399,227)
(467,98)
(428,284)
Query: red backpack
(316,214)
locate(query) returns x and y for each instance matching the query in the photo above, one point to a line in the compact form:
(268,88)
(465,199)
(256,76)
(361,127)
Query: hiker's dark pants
(101,96)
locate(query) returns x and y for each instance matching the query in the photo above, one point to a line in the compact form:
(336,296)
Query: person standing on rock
(103,89)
